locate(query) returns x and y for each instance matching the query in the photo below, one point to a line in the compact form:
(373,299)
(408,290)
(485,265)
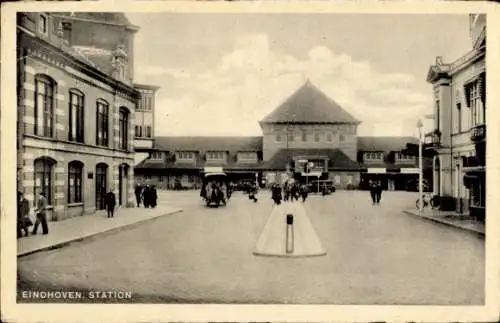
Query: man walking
(110,204)
(138,194)
(378,191)
(23,220)
(304,191)
(41,214)
(373,194)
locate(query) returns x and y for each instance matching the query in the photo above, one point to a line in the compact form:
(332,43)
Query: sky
(219,74)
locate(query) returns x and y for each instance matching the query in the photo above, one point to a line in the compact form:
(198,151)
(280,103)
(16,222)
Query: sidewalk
(86,226)
(450,218)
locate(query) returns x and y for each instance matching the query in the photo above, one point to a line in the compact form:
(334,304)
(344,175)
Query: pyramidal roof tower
(309,105)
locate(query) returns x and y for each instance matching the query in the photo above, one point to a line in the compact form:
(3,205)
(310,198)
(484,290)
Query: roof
(337,159)
(116,18)
(98,57)
(309,105)
(199,143)
(384,143)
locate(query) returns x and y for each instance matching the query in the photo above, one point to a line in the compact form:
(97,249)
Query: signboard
(213,170)
(315,174)
(409,170)
(377,170)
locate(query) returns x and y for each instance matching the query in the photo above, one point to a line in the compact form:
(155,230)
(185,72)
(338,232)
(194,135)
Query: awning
(377,170)
(409,170)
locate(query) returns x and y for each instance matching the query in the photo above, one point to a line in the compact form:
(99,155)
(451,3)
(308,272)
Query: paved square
(375,255)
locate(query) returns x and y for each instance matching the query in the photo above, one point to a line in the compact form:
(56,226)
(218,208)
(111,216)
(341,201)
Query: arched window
(44,177)
(44,105)
(75,178)
(123,128)
(76,118)
(102,123)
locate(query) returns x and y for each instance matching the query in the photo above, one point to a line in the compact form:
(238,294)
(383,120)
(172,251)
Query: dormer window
(374,156)
(185,156)
(215,155)
(247,157)
(156,155)
(403,157)
(43,25)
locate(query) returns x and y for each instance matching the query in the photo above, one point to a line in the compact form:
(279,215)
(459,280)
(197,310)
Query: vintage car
(215,189)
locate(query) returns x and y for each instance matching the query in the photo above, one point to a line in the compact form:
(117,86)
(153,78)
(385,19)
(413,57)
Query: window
(184,155)
(437,124)
(474,93)
(76,118)
(138,131)
(44,177)
(102,123)
(459,117)
(156,155)
(148,131)
(44,105)
(247,157)
(401,156)
(316,137)
(291,137)
(215,155)
(304,136)
(373,156)
(75,175)
(278,138)
(329,136)
(43,25)
(123,129)
(341,138)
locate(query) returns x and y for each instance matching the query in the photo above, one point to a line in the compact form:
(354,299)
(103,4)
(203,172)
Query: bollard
(289,233)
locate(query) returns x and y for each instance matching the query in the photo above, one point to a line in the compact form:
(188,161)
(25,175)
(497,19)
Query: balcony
(432,139)
(478,133)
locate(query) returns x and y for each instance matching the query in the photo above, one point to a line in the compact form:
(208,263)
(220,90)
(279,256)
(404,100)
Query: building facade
(144,121)
(459,138)
(307,129)
(76,107)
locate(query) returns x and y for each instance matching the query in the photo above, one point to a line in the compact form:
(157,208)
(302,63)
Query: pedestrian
(23,220)
(110,204)
(294,191)
(378,191)
(41,214)
(304,192)
(252,191)
(276,194)
(373,191)
(154,196)
(138,194)
(146,196)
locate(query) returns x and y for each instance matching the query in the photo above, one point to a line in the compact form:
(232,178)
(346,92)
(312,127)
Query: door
(101,186)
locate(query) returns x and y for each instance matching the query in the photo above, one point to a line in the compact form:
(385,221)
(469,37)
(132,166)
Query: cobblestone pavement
(375,255)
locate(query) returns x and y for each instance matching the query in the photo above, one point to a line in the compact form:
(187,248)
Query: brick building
(459,138)
(76,107)
(308,127)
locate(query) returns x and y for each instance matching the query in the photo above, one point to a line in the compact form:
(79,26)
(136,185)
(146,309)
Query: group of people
(147,194)
(375,191)
(290,191)
(23,215)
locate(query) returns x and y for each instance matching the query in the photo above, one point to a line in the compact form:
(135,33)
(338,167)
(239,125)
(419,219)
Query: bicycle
(428,200)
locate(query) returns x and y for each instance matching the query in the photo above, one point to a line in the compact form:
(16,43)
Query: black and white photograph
(246,158)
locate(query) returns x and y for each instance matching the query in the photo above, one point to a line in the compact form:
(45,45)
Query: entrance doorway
(101,186)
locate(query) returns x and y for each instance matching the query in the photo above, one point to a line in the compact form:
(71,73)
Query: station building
(76,109)
(307,128)
(459,136)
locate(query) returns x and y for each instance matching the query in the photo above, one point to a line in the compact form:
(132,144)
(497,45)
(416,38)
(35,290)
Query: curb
(447,223)
(93,235)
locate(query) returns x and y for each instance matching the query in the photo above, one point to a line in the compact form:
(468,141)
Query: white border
(204,313)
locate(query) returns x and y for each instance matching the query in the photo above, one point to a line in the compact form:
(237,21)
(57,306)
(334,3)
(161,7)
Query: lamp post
(420,169)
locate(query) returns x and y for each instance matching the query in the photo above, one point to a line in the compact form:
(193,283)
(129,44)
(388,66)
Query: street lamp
(420,169)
